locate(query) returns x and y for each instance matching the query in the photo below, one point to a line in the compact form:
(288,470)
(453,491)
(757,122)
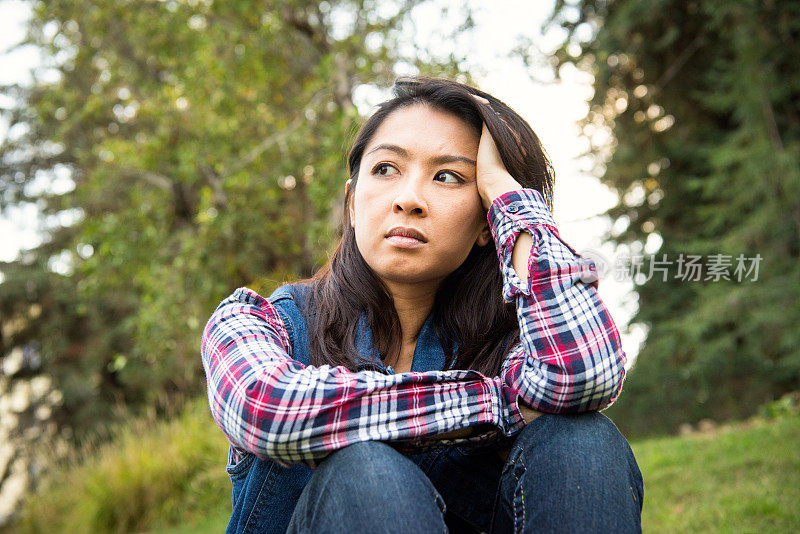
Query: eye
(448,177)
(384,169)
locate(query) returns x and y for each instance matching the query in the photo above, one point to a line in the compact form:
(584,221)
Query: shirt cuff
(488,425)
(526,207)
(509,214)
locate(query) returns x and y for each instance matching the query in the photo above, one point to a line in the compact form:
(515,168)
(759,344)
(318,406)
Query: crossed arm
(569,360)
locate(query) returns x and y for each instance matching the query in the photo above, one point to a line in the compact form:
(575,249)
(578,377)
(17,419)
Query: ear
(484,237)
(350,203)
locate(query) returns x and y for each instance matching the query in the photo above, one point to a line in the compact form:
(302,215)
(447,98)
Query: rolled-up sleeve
(570,356)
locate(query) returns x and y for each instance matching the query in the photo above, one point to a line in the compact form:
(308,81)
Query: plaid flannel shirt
(569,359)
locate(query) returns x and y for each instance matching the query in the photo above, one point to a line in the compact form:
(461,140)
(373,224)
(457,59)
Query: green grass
(743,478)
(169,478)
(149,476)
(214,523)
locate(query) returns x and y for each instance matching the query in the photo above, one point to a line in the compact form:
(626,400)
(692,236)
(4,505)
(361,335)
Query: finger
(487,149)
(480,99)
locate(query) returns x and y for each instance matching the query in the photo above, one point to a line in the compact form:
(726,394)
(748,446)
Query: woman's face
(416,209)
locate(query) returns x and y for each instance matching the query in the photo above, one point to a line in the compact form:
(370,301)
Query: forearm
(519,258)
(270,405)
(570,358)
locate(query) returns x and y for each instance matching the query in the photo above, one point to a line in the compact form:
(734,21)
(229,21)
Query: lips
(402,231)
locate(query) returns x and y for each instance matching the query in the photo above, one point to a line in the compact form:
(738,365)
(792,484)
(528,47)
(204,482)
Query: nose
(410,197)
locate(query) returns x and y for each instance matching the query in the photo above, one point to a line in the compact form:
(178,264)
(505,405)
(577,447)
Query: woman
(417,384)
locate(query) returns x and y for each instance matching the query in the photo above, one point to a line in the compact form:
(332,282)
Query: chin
(410,276)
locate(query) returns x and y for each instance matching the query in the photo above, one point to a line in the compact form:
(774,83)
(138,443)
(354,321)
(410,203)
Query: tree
(703,101)
(203,143)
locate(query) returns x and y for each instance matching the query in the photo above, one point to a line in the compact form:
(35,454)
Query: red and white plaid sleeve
(570,356)
(275,407)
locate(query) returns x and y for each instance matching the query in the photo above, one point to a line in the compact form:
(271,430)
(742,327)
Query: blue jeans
(572,473)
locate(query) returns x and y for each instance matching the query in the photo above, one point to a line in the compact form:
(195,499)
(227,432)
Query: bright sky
(18,231)
(552,109)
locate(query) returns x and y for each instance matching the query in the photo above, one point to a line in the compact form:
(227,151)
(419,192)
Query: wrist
(512,417)
(528,413)
(498,186)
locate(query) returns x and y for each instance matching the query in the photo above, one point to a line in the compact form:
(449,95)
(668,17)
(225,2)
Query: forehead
(422,128)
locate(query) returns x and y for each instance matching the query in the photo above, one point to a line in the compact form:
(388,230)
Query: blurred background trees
(176,150)
(179,149)
(703,101)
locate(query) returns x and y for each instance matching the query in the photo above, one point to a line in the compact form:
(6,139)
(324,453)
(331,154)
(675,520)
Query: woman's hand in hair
(493,178)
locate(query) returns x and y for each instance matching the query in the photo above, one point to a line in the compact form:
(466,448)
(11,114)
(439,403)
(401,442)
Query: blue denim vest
(264,493)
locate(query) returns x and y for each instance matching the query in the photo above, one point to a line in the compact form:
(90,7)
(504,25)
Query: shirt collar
(428,353)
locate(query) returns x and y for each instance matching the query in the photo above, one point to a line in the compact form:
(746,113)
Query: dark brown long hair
(468,309)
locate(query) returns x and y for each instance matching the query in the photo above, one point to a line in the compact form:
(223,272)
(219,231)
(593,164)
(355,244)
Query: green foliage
(701,98)
(786,406)
(148,475)
(169,477)
(204,147)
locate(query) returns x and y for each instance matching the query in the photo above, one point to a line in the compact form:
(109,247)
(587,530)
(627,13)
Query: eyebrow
(437,160)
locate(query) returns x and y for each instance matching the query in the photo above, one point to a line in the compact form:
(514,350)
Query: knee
(587,443)
(581,470)
(366,461)
(589,434)
(371,471)
(368,487)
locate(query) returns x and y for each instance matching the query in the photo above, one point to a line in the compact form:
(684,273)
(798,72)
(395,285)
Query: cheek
(364,207)
(365,217)
(464,219)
